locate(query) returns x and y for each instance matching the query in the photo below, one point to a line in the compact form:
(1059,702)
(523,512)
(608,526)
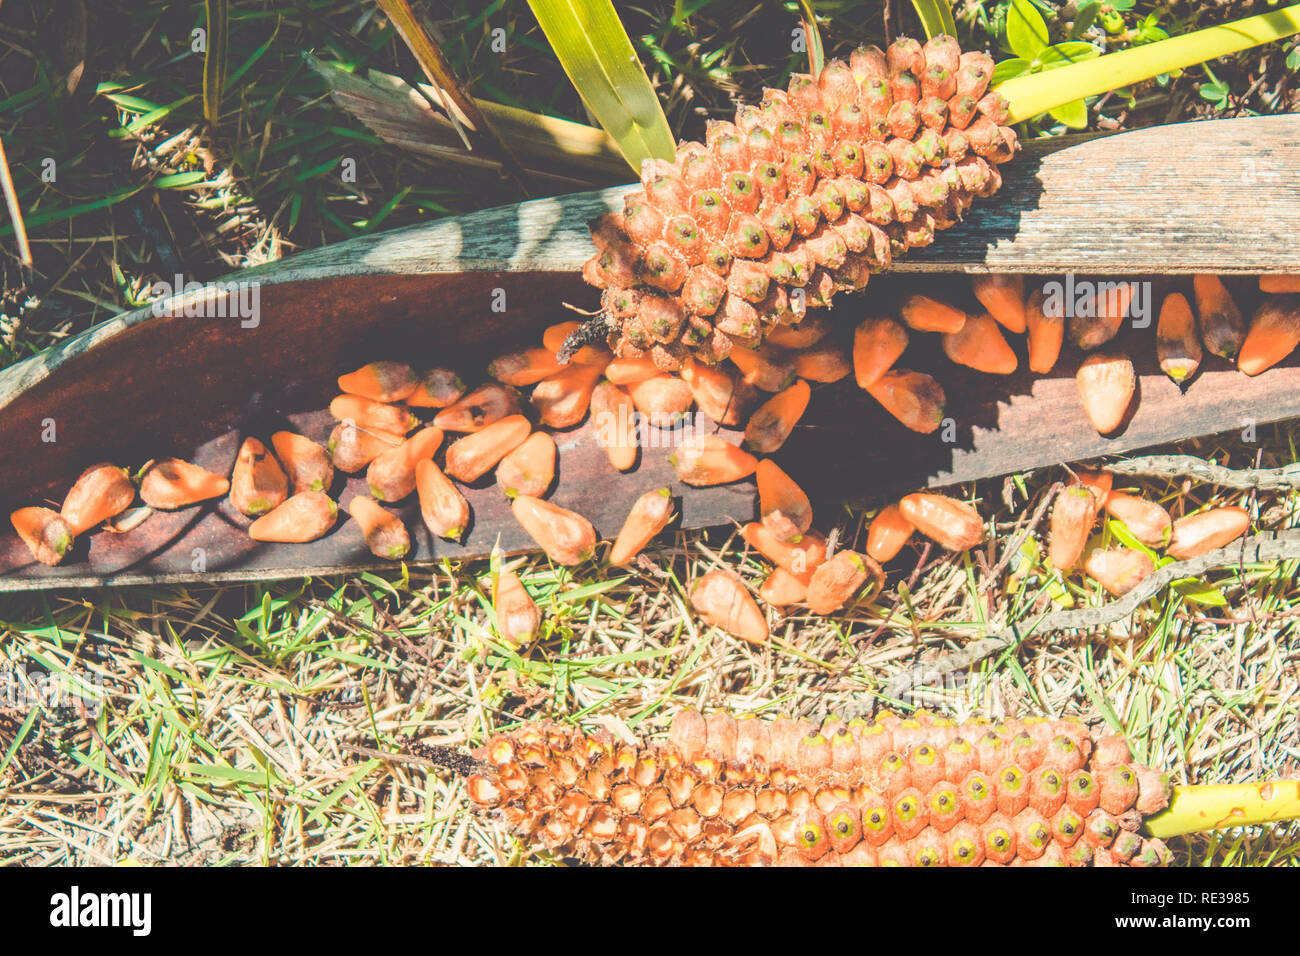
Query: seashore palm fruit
(802,196)
(919,791)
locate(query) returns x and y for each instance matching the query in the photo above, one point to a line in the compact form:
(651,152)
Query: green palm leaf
(597,54)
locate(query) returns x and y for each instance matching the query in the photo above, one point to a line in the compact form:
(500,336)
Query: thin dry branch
(1257,549)
(1188,466)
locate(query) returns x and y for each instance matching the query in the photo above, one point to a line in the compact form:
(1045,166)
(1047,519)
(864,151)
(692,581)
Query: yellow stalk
(1219,806)
(1037,93)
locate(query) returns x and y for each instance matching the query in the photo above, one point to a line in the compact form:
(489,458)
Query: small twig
(1260,548)
(1179,466)
(423,755)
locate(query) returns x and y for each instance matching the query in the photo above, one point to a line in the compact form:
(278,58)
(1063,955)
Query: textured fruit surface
(173,483)
(805,195)
(101,492)
(721,791)
(721,599)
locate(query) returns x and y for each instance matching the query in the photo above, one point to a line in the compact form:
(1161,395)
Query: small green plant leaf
(1066,52)
(1199,592)
(1073,115)
(1026,31)
(1084,19)
(1015,66)
(812,38)
(214,58)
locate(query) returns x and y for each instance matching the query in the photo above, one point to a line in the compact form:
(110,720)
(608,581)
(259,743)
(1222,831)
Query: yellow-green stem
(1037,93)
(1218,806)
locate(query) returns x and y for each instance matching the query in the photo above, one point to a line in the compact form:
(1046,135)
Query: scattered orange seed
(1118,570)
(1149,522)
(257,484)
(517,614)
(925,314)
(1274,334)
(524,367)
(530,468)
(1101,320)
(437,388)
(443,508)
(628,371)
(785,509)
(808,331)
(1046,333)
(953,524)
(710,460)
(823,363)
(800,557)
(470,458)
(368,413)
(663,399)
(1073,514)
(1199,533)
(763,367)
(782,589)
(44,532)
(1107,383)
(1004,297)
(391,476)
(979,345)
(772,422)
(1279,283)
(381,381)
(173,483)
(1222,327)
(650,514)
(888,533)
(914,398)
(562,400)
(351,447)
(305,516)
(566,536)
(306,463)
(100,492)
(479,408)
(385,534)
(877,345)
(721,600)
(614,417)
(721,393)
(1178,348)
(836,581)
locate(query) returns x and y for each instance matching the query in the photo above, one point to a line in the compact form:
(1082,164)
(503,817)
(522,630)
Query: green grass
(228,711)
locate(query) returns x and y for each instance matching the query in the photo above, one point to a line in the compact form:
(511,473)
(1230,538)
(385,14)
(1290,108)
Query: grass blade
(214,58)
(936,17)
(597,54)
(1039,92)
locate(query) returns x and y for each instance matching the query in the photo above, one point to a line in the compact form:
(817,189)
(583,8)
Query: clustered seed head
(804,195)
(909,791)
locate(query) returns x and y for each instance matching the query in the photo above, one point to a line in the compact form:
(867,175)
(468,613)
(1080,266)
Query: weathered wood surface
(142,386)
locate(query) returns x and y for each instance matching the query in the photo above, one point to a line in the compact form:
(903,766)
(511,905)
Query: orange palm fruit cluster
(915,791)
(802,196)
